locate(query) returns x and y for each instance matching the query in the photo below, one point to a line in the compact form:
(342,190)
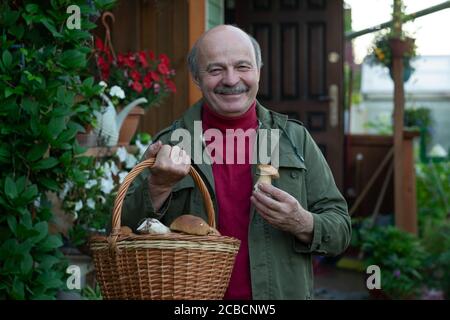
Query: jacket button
(294,175)
(326,238)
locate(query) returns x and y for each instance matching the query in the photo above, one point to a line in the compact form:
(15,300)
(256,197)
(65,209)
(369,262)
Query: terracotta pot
(130,125)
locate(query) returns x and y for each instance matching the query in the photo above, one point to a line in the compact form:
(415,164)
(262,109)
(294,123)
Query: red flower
(148,80)
(171,85)
(151,55)
(137,86)
(120,60)
(99,44)
(142,59)
(162,68)
(164,59)
(135,75)
(129,61)
(154,75)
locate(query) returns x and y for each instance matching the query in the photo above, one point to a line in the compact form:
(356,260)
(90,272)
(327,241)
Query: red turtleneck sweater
(233,185)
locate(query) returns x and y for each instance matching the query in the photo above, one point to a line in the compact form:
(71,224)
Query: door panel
(302,45)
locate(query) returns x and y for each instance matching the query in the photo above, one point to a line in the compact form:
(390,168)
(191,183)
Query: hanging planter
(386,48)
(407,71)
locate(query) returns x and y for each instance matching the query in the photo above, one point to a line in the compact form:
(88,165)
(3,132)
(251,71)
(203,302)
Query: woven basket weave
(162,267)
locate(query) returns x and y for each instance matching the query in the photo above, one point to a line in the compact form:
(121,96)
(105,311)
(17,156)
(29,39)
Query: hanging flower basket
(386,48)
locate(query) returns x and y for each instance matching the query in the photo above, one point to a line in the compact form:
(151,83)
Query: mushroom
(266,173)
(152,226)
(194,225)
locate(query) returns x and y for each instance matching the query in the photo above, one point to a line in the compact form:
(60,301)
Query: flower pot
(407,71)
(130,125)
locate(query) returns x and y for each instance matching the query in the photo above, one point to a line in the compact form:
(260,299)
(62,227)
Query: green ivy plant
(43,69)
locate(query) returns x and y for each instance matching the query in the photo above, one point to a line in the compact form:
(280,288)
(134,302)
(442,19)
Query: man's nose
(231,77)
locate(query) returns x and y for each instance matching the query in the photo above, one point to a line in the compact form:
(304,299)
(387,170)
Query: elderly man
(281,225)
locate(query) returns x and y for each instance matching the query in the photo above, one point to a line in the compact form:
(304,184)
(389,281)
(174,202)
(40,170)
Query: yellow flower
(379,53)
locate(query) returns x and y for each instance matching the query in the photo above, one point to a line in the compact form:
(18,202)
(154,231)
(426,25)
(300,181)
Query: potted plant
(385,47)
(137,74)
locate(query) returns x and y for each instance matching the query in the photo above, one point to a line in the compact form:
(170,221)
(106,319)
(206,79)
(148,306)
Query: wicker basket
(162,267)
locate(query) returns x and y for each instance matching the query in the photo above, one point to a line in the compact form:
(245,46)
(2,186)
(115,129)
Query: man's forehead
(224,52)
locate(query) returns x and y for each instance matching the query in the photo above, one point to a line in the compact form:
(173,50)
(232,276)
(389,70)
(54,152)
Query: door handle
(333,93)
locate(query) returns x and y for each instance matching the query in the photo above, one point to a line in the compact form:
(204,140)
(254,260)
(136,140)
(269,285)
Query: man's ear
(196,80)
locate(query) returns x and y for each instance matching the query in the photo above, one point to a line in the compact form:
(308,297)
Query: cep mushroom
(266,173)
(191,224)
(152,226)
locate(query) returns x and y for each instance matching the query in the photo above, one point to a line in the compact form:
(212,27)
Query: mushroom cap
(190,224)
(268,170)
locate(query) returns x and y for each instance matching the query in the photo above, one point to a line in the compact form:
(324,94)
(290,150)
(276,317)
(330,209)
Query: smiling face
(228,75)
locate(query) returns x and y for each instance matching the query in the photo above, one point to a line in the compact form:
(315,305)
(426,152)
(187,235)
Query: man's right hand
(171,165)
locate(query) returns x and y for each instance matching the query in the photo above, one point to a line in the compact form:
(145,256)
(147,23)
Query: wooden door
(302,50)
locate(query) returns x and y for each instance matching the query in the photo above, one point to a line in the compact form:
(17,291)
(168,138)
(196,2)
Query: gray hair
(192,57)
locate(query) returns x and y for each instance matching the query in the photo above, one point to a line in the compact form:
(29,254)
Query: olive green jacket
(281,265)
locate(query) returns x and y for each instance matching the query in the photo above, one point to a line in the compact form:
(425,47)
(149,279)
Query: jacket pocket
(292,172)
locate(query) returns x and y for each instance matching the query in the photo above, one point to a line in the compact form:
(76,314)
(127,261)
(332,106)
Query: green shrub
(43,68)
(401,259)
(436,240)
(433,193)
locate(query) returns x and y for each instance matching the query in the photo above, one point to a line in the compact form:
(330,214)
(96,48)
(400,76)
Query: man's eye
(243,68)
(215,71)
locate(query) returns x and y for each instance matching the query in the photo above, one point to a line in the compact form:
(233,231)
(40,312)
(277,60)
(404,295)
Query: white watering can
(109,122)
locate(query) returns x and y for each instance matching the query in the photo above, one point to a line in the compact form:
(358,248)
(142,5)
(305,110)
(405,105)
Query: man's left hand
(283,211)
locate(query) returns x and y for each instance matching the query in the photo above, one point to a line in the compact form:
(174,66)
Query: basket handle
(135,172)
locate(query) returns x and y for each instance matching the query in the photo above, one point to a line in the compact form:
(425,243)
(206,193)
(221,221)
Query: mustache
(237,89)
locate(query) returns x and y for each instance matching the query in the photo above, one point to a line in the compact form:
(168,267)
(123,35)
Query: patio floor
(334,283)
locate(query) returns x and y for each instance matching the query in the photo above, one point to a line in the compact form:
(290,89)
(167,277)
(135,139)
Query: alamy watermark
(74,20)
(374,280)
(234,146)
(74,280)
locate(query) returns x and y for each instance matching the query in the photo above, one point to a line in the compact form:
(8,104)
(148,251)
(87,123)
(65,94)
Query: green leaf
(49,25)
(88,82)
(7,59)
(10,188)
(68,134)
(17,31)
(12,223)
(46,163)
(20,184)
(26,263)
(73,59)
(10,17)
(105,4)
(47,261)
(41,229)
(56,126)
(32,8)
(37,151)
(30,106)
(18,289)
(35,127)
(4,154)
(30,193)
(50,243)
(49,280)
(49,184)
